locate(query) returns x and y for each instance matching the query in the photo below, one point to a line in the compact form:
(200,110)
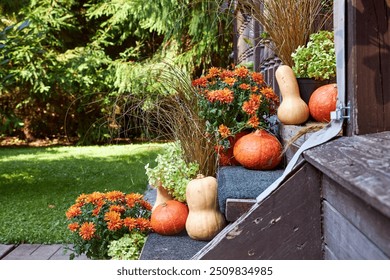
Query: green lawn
(37,185)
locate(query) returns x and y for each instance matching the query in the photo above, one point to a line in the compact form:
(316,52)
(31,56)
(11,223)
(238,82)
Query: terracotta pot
(162,196)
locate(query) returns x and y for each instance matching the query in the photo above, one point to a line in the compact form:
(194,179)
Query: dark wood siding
(368,65)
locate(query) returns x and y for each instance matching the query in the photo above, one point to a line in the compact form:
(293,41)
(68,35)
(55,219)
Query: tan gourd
(161,196)
(204,220)
(292,109)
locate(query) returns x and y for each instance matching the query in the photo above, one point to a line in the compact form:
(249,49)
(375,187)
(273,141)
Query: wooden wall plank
(285,225)
(368,220)
(346,241)
(368,65)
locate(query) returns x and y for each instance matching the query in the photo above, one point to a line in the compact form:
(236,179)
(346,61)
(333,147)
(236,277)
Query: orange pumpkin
(322,102)
(258,150)
(169,218)
(225,156)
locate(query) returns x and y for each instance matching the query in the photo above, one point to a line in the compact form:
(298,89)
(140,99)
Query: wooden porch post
(368,65)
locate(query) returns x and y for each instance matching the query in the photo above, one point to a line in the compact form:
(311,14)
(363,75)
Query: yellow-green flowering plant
(172,171)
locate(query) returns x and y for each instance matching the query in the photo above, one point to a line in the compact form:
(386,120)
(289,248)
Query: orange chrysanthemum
(224,131)
(252,105)
(241,72)
(258,77)
(73,211)
(95,197)
(73,227)
(253,121)
(82,198)
(130,223)
(115,195)
(226,74)
(213,72)
(244,86)
(87,230)
(201,82)
(223,96)
(143,224)
(113,219)
(270,94)
(146,205)
(229,81)
(117,208)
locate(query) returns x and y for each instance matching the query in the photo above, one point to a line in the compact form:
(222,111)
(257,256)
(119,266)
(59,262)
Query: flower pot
(161,196)
(308,85)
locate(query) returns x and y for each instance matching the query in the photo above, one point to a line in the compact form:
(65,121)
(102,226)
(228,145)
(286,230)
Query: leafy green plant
(317,59)
(97,219)
(127,247)
(172,171)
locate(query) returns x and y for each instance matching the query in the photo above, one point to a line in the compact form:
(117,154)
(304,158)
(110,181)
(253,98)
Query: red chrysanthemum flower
(87,230)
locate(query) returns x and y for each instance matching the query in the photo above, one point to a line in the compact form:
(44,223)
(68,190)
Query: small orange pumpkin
(322,102)
(225,157)
(258,150)
(169,218)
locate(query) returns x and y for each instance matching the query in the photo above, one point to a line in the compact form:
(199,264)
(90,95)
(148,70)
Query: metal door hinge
(342,112)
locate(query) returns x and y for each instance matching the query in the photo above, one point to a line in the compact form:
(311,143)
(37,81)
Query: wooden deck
(35,252)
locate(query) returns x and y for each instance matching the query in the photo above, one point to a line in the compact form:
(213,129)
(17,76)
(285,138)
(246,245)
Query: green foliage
(82,57)
(172,171)
(317,59)
(127,247)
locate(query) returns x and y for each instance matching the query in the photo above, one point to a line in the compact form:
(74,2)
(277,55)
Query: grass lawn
(37,185)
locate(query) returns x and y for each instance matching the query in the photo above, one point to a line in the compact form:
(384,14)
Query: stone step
(238,188)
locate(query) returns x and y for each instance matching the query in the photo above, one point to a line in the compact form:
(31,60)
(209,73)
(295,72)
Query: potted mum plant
(315,63)
(234,102)
(97,219)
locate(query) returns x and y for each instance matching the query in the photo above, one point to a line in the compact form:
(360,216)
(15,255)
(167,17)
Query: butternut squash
(204,220)
(292,109)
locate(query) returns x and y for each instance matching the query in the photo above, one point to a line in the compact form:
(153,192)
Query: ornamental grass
(288,24)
